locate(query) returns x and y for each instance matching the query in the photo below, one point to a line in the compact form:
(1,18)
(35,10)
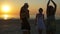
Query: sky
(34,5)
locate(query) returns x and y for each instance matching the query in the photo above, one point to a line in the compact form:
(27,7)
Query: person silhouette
(40,21)
(51,25)
(24,16)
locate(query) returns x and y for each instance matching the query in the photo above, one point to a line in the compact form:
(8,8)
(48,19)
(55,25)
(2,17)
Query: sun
(5,8)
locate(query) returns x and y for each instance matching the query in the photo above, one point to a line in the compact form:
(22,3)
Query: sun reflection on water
(5,17)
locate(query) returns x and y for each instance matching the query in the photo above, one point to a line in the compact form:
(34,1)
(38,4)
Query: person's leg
(48,30)
(40,31)
(26,32)
(53,27)
(53,32)
(26,26)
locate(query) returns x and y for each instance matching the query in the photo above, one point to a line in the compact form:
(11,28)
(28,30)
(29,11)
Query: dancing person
(51,25)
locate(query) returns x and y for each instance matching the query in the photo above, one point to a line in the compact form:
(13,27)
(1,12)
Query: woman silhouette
(24,16)
(40,21)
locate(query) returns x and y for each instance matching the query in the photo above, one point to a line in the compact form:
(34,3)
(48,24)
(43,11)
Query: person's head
(26,5)
(50,8)
(40,10)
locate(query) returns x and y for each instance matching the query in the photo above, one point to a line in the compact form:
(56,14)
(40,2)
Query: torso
(40,19)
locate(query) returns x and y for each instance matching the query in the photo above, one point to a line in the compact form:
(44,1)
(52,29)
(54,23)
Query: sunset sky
(13,7)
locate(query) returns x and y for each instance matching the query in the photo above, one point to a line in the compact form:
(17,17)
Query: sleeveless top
(40,21)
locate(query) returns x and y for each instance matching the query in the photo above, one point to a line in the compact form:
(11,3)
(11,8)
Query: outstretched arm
(48,3)
(54,4)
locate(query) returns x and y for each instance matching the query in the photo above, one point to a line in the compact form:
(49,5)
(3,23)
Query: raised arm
(54,4)
(48,3)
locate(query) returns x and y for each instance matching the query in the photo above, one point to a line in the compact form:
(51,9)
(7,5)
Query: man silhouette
(51,25)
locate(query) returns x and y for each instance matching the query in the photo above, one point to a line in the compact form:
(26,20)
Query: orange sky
(34,5)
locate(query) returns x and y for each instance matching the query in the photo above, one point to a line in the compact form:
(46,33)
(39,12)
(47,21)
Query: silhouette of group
(39,21)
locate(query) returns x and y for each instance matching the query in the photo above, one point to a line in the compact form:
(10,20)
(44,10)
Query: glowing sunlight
(5,17)
(5,8)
